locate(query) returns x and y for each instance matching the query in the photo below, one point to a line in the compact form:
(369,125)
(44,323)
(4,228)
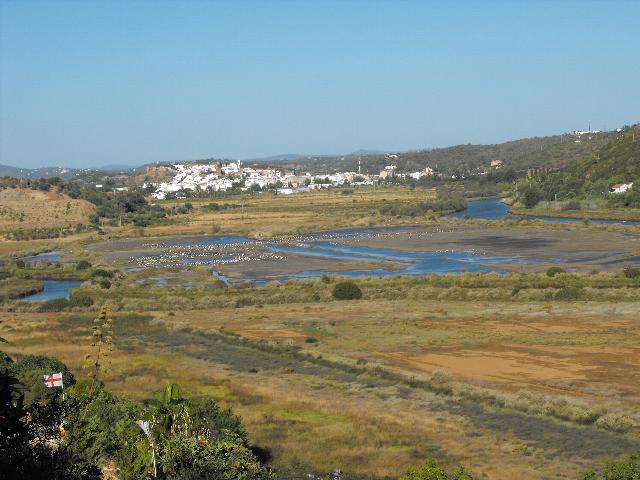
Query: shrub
(215,228)
(571,205)
(568,293)
(615,422)
(530,195)
(80,299)
(347,291)
(430,470)
(20,263)
(104,283)
(99,272)
(553,271)
(55,305)
(631,272)
(83,265)
(623,470)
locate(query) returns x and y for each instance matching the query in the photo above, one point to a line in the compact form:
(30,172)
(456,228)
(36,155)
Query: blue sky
(91,83)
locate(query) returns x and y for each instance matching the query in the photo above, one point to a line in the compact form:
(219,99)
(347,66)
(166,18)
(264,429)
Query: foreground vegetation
(191,437)
(328,374)
(92,432)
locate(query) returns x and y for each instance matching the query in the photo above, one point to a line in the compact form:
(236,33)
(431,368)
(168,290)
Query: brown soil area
(26,208)
(604,372)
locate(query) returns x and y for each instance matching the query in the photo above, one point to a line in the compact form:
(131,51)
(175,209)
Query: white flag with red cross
(53,380)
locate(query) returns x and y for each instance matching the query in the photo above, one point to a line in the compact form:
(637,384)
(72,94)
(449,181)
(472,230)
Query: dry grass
(588,350)
(26,208)
(368,426)
(267,215)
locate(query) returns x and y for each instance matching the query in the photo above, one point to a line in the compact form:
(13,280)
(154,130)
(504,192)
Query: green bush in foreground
(347,291)
(432,471)
(624,470)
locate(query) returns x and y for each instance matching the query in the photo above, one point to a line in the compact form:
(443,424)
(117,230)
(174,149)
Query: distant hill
(115,168)
(293,157)
(62,172)
(555,152)
(277,158)
(367,152)
(35,173)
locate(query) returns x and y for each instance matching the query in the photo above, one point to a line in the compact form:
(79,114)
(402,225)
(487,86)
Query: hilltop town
(223,176)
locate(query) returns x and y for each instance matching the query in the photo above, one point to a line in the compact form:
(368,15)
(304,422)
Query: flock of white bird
(168,255)
(204,254)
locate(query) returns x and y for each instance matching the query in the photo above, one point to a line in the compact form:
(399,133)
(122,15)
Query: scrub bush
(347,291)
(553,271)
(569,293)
(83,265)
(631,272)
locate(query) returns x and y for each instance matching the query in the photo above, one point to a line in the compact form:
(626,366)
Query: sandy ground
(572,246)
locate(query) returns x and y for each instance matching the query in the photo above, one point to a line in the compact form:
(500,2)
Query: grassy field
(549,209)
(375,385)
(266,215)
(258,215)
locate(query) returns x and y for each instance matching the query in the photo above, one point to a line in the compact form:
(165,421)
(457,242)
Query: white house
(621,187)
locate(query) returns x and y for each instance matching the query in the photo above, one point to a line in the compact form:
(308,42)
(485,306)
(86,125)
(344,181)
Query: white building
(621,187)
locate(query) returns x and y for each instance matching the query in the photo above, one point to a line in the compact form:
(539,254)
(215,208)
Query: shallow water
(496,209)
(43,257)
(491,209)
(53,289)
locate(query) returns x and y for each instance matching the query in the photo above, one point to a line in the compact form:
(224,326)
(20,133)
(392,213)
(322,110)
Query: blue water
(623,260)
(53,289)
(43,257)
(496,209)
(492,209)
(414,263)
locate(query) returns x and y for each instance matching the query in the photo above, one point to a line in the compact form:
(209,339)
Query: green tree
(530,194)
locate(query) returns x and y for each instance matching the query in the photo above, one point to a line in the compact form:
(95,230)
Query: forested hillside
(615,162)
(557,151)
